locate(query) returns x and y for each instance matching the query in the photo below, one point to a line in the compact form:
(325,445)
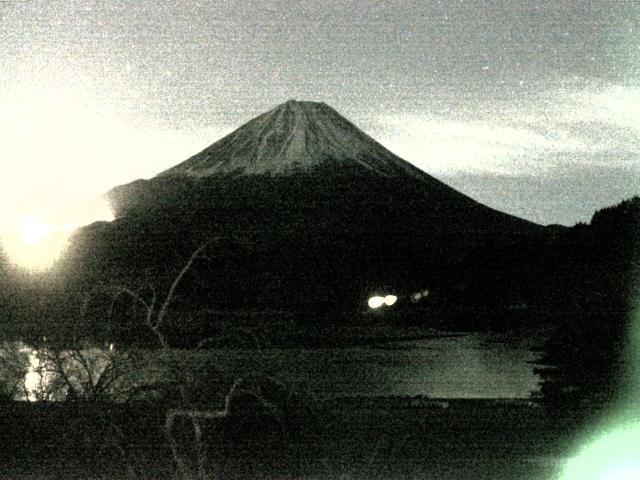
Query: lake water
(465,366)
(453,366)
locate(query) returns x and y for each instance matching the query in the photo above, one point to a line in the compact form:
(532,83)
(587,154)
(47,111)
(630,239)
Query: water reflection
(460,366)
(445,367)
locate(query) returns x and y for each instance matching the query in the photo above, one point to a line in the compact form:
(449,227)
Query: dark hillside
(587,360)
(313,243)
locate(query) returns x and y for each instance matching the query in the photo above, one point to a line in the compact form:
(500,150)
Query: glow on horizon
(33,230)
(36,241)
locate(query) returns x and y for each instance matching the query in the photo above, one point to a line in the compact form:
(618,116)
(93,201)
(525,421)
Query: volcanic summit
(294,137)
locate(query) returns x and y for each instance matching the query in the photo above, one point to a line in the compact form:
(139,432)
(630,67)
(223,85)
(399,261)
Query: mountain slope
(314,215)
(293,137)
(302,152)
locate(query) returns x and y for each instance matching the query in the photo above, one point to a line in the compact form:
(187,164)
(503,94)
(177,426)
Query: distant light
(376,302)
(416,297)
(390,300)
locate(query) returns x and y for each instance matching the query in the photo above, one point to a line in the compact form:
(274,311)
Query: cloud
(440,145)
(567,195)
(615,105)
(595,124)
(552,158)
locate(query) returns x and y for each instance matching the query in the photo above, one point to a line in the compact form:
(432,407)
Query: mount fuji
(293,137)
(310,214)
(295,141)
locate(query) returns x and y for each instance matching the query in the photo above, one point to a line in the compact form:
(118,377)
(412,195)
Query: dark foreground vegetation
(380,439)
(581,282)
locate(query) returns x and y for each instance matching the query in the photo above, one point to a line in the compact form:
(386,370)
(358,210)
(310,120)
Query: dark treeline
(596,278)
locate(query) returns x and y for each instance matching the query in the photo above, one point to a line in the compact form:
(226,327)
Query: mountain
(295,137)
(292,143)
(309,215)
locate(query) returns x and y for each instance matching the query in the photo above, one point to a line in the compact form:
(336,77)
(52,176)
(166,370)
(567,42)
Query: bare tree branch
(176,281)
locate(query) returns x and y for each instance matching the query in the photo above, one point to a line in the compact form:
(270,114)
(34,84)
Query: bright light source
(624,472)
(33,243)
(33,379)
(390,300)
(33,230)
(611,457)
(376,302)
(36,244)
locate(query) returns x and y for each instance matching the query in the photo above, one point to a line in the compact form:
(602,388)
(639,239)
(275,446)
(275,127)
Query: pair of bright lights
(378,301)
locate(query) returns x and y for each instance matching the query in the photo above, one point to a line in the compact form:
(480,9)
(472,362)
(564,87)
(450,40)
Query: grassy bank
(339,439)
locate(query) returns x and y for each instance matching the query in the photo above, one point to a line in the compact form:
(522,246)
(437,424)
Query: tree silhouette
(583,364)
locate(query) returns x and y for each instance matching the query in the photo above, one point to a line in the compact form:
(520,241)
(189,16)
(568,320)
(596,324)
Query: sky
(532,108)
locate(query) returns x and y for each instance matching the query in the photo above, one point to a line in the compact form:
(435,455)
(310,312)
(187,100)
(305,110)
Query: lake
(476,365)
(457,366)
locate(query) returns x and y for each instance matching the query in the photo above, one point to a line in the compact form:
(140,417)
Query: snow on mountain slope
(293,137)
